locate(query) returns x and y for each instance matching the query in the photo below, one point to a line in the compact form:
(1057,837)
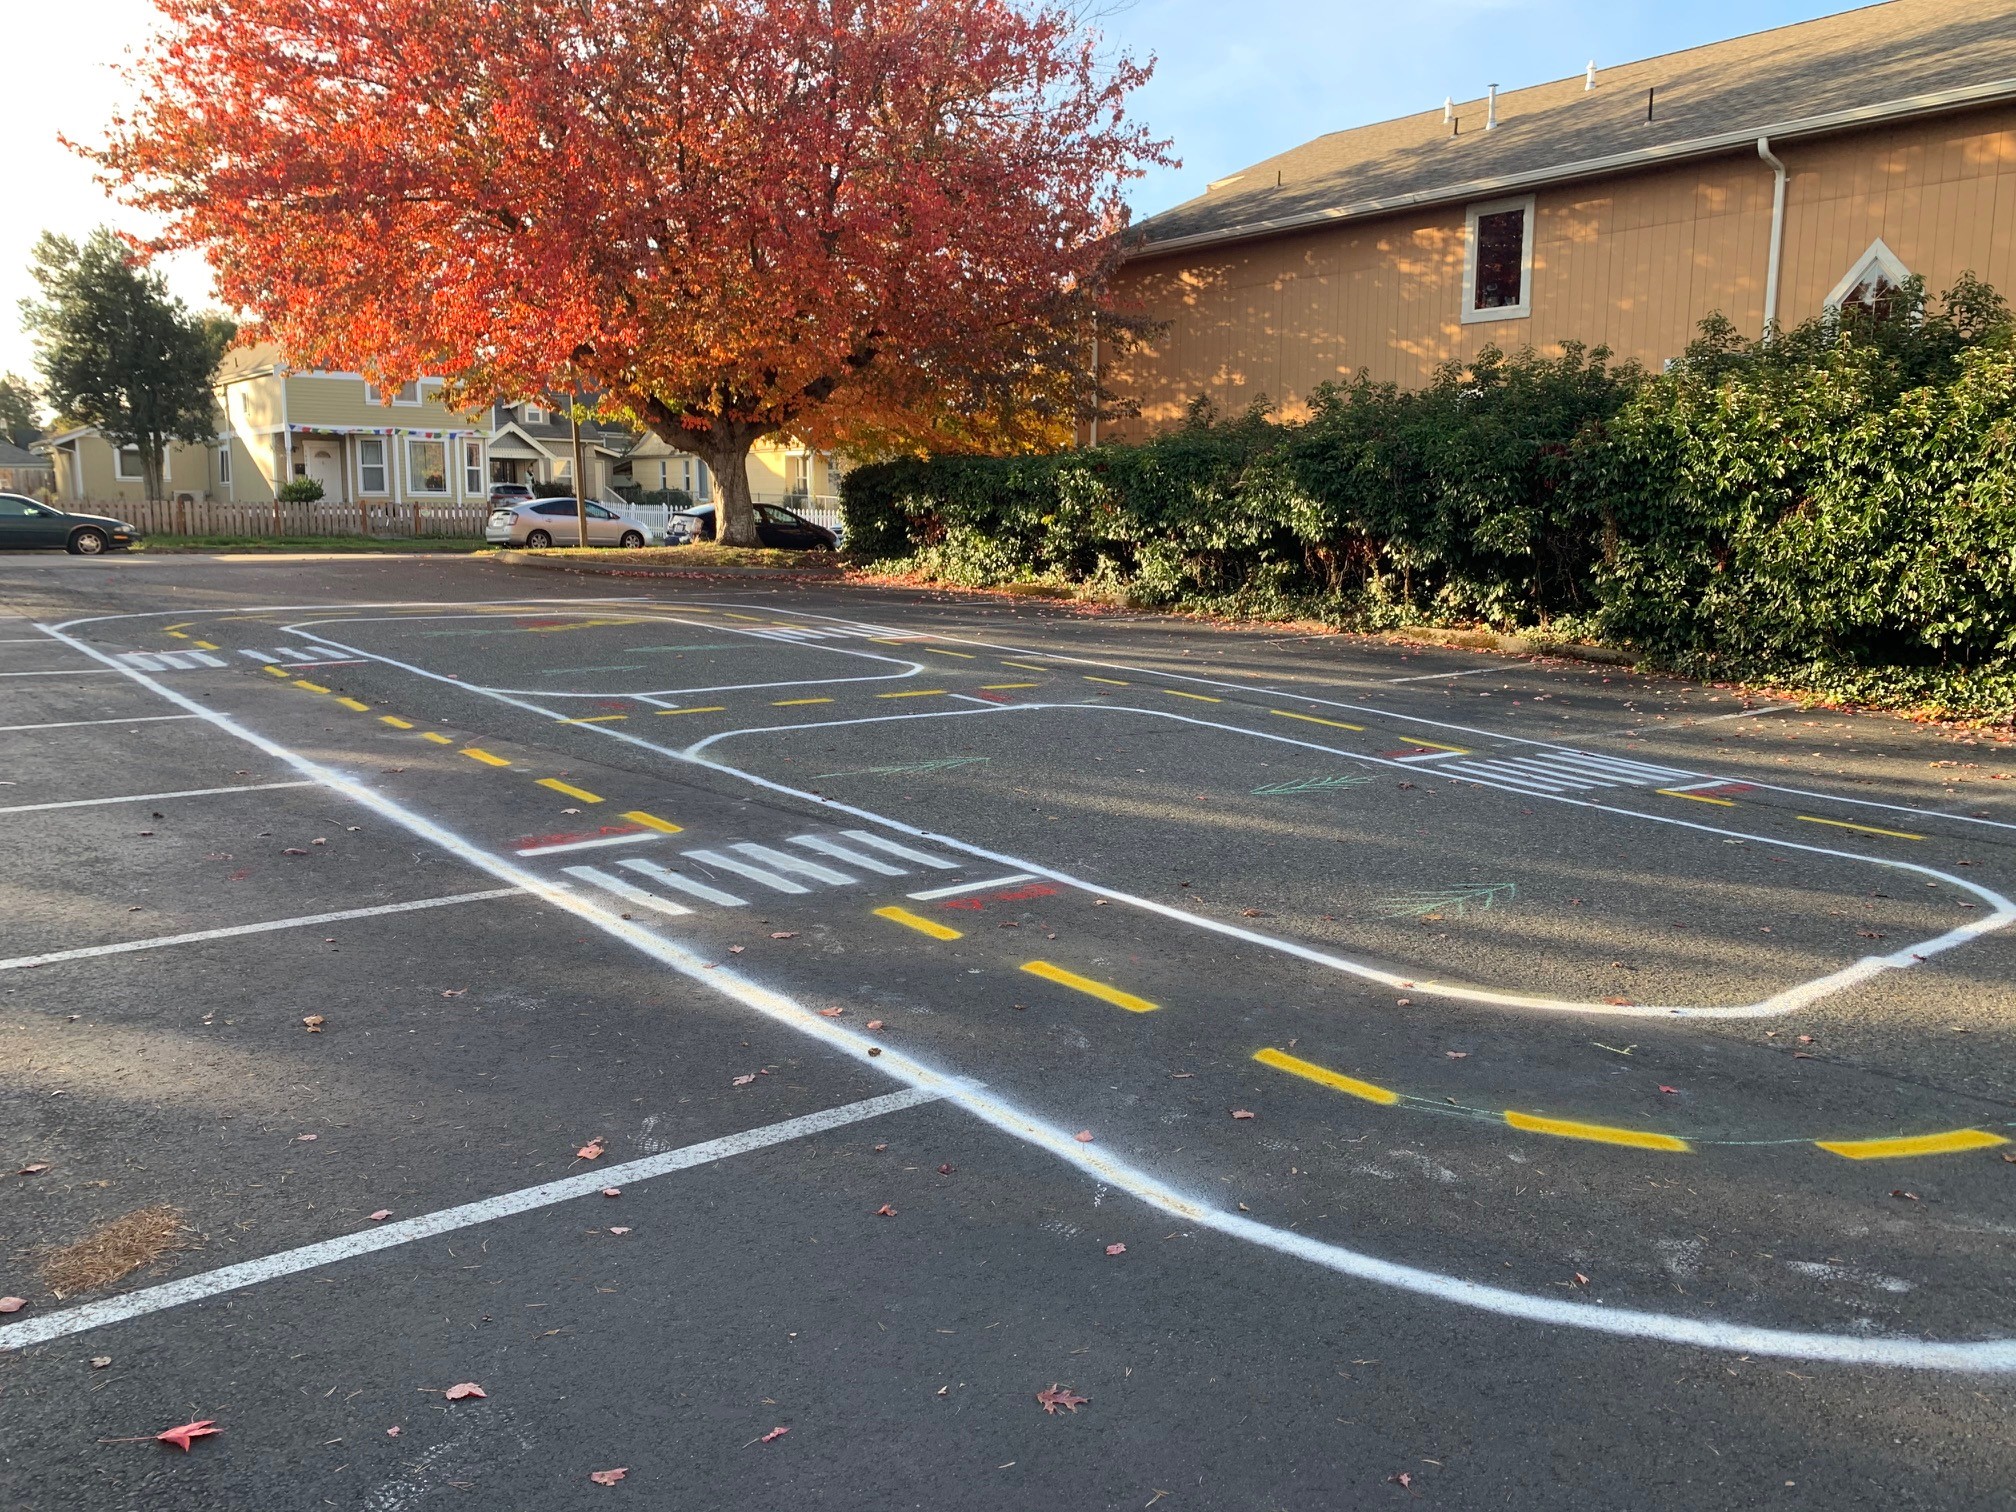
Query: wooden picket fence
(193,517)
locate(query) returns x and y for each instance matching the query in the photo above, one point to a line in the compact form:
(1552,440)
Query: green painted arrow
(1458,900)
(1311,785)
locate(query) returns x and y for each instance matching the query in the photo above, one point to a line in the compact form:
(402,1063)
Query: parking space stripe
(566,787)
(437,739)
(792,703)
(599,843)
(909,920)
(1432,746)
(1696,797)
(1568,1128)
(1003,687)
(71,724)
(1335,724)
(384,1236)
(1323,1076)
(49,958)
(1949,1143)
(1199,697)
(248,787)
(1089,987)
(653,822)
(351,703)
(395,721)
(709,709)
(914,693)
(302,682)
(596,719)
(1867,829)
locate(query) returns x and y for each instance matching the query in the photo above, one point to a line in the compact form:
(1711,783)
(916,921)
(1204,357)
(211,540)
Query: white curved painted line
(1979,1356)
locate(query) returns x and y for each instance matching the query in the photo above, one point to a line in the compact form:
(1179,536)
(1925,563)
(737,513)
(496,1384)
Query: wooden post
(580,481)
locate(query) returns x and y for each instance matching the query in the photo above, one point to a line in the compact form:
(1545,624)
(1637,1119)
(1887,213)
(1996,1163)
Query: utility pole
(580,485)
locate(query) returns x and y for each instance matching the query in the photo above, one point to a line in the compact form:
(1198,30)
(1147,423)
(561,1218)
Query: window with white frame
(427,465)
(1872,284)
(1498,260)
(126,464)
(224,464)
(371,465)
(535,414)
(409,393)
(472,467)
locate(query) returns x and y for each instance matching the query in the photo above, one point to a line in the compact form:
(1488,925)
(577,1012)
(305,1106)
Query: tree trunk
(726,452)
(153,467)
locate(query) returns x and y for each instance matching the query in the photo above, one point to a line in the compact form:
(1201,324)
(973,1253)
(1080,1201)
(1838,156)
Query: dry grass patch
(113,1250)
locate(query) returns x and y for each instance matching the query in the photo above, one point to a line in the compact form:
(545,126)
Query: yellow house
(91,470)
(780,472)
(1768,178)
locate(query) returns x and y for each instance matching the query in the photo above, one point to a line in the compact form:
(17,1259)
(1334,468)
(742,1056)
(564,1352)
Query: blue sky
(1239,80)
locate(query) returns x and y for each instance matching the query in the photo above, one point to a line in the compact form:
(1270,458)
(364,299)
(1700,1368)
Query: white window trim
(448,464)
(535,414)
(1878,259)
(224,465)
(481,487)
(373,395)
(119,473)
(1523,310)
(384,466)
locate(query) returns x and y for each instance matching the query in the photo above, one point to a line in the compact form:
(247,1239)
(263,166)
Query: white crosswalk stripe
(688,885)
(1549,773)
(164,661)
(764,865)
(628,891)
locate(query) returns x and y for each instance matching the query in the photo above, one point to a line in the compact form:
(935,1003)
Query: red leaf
(608,1477)
(783,934)
(31,1170)
(1242,1113)
(612,1191)
(831,1012)
(743,1081)
(874,1023)
(1580,1279)
(1083,1136)
(12,1304)
(1060,1396)
(619,1231)
(180,1435)
(1907,1196)
(1403,1480)
(773,1435)
(465,1389)
(947,1170)
(885,1211)
(1664,1088)
(593,1150)
(736,949)
(393,1432)
(1116,1249)
(381,1215)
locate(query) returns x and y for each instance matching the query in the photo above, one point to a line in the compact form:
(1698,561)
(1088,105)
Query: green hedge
(1831,509)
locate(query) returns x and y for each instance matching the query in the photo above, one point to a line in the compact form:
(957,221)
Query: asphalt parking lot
(763,1037)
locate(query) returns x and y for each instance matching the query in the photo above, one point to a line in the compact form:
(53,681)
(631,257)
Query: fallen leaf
(608,1477)
(874,1023)
(463,1389)
(1403,1480)
(1580,1279)
(1404,1002)
(393,1431)
(874,1050)
(293,850)
(32,1170)
(1907,1196)
(314,1023)
(12,1304)
(1083,1136)
(591,1150)
(736,949)
(783,934)
(1116,1249)
(1254,913)
(453,991)
(1674,1090)
(619,1231)
(99,1362)
(180,1435)
(1242,1113)
(1060,1396)
(1805,1039)
(1182,1075)
(306,1138)
(947,1170)
(612,1191)
(885,1211)
(570,811)
(1457,1054)
(1618,1002)
(381,1215)
(743,1081)
(831,1012)
(773,1435)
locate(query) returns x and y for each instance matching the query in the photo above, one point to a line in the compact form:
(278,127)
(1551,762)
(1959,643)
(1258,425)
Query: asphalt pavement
(823,1046)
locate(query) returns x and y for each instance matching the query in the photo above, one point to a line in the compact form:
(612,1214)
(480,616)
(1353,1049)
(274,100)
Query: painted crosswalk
(169,661)
(297,656)
(842,630)
(708,873)
(1552,773)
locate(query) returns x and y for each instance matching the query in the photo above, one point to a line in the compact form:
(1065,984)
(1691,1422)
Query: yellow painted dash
(1323,1076)
(1200,697)
(709,709)
(1867,829)
(1110,681)
(395,721)
(302,682)
(1026,666)
(204,645)
(917,922)
(1001,687)
(1089,987)
(176,633)
(1568,1128)
(962,655)
(788,703)
(1696,797)
(914,693)
(1432,746)
(437,739)
(275,671)
(653,822)
(1335,724)
(754,619)
(1949,1143)
(560,787)
(595,719)
(477,753)
(351,703)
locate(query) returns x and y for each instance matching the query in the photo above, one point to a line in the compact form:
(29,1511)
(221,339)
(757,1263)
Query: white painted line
(688,885)
(179,660)
(79,672)
(882,843)
(1432,676)
(755,874)
(71,724)
(628,891)
(574,845)
(839,852)
(384,1236)
(324,651)
(1529,770)
(245,929)
(1426,756)
(1751,713)
(1532,787)
(207,659)
(763,855)
(966,887)
(1638,771)
(260,656)
(249,787)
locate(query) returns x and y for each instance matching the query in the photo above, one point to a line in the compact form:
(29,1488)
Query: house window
(126,465)
(371,465)
(663,473)
(472,467)
(1498,260)
(409,393)
(1873,284)
(534,415)
(427,466)
(224,464)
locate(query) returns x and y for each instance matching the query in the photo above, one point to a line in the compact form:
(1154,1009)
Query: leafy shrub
(301,491)
(677,498)
(552,488)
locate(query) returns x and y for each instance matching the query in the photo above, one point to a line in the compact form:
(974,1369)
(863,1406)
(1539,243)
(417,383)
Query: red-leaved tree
(869,223)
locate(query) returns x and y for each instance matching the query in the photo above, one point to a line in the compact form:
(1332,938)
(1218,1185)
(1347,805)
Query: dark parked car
(775,526)
(24,523)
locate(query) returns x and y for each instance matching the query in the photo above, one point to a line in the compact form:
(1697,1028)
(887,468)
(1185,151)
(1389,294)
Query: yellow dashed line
(477,753)
(1110,681)
(1867,829)
(1200,697)
(1335,724)
(1696,797)
(754,619)
(917,922)
(176,633)
(351,703)
(437,739)
(653,822)
(1911,1144)
(396,722)
(883,640)
(1323,1076)
(962,655)
(204,645)
(710,709)
(914,693)
(1431,745)
(1568,1128)
(275,671)
(792,703)
(999,687)
(1025,666)
(558,786)
(1091,988)
(302,682)
(595,719)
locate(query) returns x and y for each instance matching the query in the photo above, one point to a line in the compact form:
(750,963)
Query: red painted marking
(613,703)
(1727,787)
(569,838)
(992,697)
(1409,751)
(1019,895)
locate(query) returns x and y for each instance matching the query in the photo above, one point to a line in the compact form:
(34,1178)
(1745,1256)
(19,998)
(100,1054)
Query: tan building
(89,469)
(780,472)
(1766,178)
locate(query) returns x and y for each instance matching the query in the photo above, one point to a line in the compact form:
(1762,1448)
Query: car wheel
(87,542)
(632,539)
(539,540)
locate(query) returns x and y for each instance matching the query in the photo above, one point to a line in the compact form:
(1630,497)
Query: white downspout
(1777,252)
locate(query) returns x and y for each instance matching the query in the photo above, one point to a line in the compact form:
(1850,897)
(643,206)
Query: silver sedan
(555,522)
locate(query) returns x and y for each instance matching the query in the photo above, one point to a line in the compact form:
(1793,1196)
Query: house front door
(325,464)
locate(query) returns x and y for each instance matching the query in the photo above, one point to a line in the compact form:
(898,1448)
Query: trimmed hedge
(1833,509)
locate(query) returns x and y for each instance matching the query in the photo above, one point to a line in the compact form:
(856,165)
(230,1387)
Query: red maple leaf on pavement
(1060,1396)
(180,1435)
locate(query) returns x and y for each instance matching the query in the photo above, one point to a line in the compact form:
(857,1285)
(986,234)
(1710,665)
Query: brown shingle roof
(1709,98)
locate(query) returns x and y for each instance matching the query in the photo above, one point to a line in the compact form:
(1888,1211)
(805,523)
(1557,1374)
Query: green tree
(18,421)
(119,352)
